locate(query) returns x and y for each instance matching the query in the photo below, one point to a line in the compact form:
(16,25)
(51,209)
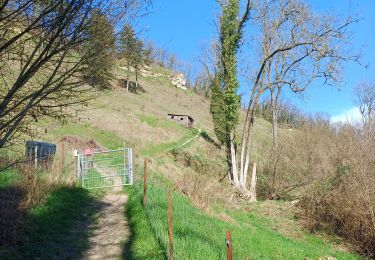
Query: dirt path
(111,229)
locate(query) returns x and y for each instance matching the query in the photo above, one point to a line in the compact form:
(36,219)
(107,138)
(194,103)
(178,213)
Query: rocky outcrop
(145,71)
(178,80)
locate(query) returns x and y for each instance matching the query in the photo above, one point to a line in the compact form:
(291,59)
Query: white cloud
(351,115)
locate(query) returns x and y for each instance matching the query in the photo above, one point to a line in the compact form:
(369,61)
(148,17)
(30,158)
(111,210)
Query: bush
(344,199)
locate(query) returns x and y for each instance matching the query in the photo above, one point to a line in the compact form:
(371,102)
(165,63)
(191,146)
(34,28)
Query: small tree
(98,71)
(365,101)
(137,59)
(128,44)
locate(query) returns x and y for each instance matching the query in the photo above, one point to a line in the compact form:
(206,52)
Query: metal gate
(105,168)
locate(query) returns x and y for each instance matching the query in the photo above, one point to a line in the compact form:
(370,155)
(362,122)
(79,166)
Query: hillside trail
(191,139)
(181,145)
(111,229)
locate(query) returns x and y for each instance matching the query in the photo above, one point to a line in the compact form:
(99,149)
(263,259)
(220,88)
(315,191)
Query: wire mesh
(106,168)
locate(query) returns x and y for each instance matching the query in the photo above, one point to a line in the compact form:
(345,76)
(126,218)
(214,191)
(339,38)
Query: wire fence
(159,207)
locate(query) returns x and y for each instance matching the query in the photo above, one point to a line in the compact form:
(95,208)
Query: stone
(178,80)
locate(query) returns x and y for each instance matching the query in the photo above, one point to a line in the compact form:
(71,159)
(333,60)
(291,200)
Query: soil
(111,230)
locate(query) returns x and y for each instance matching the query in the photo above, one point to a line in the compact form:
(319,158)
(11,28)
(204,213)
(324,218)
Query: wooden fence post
(134,164)
(170,230)
(145,183)
(36,157)
(62,156)
(229,246)
(75,155)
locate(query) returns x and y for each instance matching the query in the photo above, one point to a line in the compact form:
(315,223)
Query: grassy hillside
(191,164)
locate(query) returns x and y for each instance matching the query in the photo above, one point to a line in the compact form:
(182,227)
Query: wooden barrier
(62,156)
(229,245)
(145,183)
(75,156)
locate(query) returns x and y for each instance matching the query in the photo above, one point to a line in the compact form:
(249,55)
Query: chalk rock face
(145,71)
(178,80)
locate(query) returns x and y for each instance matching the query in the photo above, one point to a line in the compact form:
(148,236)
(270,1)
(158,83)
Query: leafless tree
(207,60)
(42,57)
(295,48)
(365,100)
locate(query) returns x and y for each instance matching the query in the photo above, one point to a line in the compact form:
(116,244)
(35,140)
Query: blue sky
(182,26)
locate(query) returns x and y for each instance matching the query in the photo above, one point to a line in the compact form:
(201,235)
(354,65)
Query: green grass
(153,150)
(199,236)
(106,138)
(157,122)
(142,243)
(58,229)
(8,177)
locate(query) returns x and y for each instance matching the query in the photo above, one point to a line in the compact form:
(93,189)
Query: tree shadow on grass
(11,218)
(58,229)
(133,87)
(209,139)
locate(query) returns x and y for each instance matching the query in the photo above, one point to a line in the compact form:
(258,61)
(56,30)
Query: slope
(189,162)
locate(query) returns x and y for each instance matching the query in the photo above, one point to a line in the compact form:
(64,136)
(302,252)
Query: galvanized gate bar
(102,168)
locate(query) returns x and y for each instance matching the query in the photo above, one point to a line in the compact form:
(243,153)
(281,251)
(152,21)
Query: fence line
(168,239)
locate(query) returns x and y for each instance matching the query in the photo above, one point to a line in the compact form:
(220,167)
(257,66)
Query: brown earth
(110,229)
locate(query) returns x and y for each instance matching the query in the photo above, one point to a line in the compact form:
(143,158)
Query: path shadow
(12,217)
(127,248)
(133,88)
(58,229)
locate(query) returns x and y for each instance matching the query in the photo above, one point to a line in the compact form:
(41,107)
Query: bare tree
(207,60)
(296,47)
(42,56)
(365,101)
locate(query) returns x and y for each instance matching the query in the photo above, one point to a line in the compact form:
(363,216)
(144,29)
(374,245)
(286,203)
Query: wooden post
(62,156)
(135,168)
(75,154)
(145,182)
(229,246)
(36,157)
(170,230)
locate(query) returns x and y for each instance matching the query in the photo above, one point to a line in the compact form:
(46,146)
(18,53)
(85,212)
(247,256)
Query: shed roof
(170,114)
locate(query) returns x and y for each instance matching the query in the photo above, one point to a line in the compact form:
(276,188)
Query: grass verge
(142,243)
(197,235)
(58,229)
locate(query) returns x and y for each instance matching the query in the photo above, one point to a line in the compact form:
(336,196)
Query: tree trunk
(275,118)
(233,161)
(136,81)
(253,184)
(128,78)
